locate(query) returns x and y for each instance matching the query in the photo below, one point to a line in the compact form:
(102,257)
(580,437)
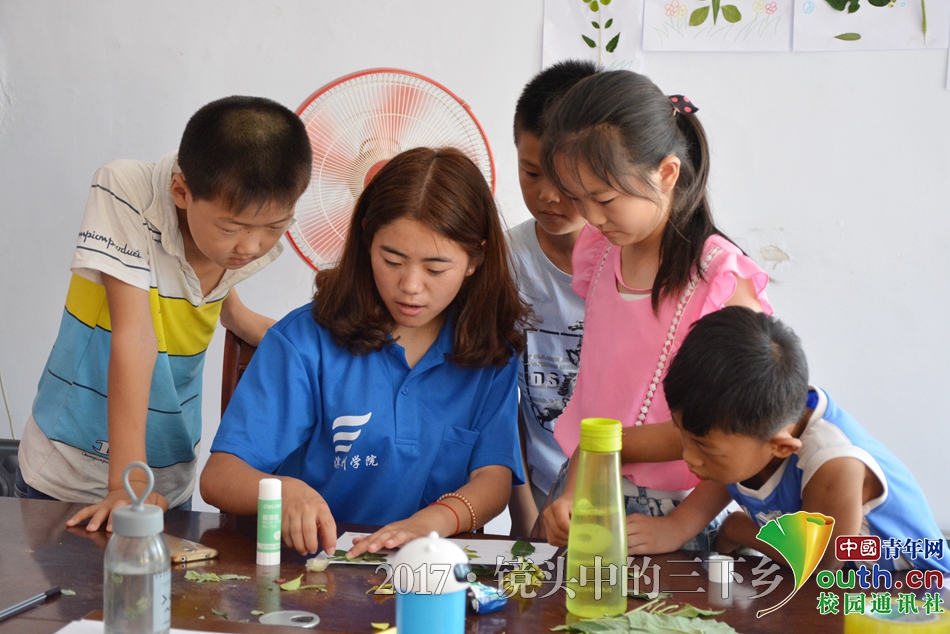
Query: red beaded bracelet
(458,522)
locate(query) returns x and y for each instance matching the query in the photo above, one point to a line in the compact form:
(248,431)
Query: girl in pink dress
(649,264)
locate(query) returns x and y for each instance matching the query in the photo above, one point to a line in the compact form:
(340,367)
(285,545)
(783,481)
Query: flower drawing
(771,8)
(672,8)
(758,7)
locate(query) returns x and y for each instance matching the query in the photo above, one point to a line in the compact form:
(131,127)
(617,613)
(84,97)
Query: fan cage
(356,123)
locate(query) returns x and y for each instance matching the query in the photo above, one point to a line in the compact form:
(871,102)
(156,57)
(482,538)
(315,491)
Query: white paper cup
(720,569)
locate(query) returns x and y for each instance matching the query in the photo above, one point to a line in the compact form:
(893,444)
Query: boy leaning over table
(160,247)
(749,421)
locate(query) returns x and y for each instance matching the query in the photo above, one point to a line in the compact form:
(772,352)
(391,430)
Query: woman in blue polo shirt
(392,398)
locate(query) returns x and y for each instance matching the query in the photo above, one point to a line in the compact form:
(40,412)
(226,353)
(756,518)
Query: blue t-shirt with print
(377,439)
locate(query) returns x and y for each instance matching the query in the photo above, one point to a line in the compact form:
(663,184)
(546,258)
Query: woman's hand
(394,535)
(307,521)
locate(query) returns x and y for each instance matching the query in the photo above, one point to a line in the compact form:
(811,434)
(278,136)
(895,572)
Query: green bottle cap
(601,435)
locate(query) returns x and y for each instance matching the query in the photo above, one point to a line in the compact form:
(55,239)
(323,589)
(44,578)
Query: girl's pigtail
(691,221)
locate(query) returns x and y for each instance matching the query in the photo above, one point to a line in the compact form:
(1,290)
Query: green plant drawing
(853,5)
(595,6)
(681,21)
(730,13)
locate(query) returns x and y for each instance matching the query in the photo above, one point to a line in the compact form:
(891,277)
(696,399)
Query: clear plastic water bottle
(137,591)
(597,543)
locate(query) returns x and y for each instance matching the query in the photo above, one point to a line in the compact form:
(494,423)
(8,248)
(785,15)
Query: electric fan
(356,124)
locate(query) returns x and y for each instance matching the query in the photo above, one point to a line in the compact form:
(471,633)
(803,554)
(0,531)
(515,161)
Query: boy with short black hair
(160,247)
(541,252)
(738,390)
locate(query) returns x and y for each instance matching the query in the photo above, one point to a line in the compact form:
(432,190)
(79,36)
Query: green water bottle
(597,544)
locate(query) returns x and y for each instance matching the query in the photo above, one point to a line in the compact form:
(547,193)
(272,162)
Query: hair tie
(683,105)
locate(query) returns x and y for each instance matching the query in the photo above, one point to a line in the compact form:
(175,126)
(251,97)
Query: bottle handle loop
(138,502)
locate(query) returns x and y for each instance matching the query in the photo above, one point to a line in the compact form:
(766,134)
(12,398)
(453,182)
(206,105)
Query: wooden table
(38,552)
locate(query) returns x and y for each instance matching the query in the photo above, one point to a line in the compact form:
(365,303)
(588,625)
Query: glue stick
(268,522)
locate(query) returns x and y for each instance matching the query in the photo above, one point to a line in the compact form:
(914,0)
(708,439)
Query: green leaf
(317,587)
(645,596)
(838,5)
(591,43)
(848,37)
(595,25)
(698,16)
(605,2)
(367,557)
(257,612)
(594,6)
(731,13)
(715,5)
(232,577)
(68,593)
(380,626)
(690,611)
(880,3)
(292,585)
(612,44)
(223,615)
(522,548)
(854,6)
(609,22)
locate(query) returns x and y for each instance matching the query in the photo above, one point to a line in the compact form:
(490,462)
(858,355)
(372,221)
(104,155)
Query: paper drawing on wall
(840,25)
(605,32)
(603,25)
(717,25)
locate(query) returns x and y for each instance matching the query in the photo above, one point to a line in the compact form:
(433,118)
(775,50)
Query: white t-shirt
(549,364)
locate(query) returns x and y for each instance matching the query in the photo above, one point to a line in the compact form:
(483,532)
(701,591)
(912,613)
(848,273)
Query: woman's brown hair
(445,191)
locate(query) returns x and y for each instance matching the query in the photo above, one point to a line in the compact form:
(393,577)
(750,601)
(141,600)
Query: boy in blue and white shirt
(738,390)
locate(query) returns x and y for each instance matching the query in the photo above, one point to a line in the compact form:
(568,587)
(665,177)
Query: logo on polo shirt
(349,431)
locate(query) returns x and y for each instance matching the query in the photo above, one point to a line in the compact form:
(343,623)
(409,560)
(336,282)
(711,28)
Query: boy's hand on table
(99,513)
(648,535)
(733,532)
(307,521)
(557,520)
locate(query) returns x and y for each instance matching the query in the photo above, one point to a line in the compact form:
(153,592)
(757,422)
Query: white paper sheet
(819,27)
(739,25)
(97,627)
(482,551)
(569,31)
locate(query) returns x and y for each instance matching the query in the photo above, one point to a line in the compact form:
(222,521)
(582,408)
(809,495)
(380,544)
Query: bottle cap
(268,489)
(601,435)
(433,566)
(138,519)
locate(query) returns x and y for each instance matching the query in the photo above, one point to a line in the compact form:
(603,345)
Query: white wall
(842,161)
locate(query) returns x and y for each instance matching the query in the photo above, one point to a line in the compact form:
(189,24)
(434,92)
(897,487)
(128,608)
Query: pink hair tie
(683,105)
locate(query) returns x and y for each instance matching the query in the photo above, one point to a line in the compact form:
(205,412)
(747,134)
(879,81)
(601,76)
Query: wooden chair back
(237,354)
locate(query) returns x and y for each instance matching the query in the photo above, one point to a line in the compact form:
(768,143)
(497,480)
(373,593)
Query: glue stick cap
(268,489)
(138,519)
(601,435)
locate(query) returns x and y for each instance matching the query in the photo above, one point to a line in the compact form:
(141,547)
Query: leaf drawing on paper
(597,6)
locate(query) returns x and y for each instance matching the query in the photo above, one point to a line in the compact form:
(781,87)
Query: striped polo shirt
(130,232)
